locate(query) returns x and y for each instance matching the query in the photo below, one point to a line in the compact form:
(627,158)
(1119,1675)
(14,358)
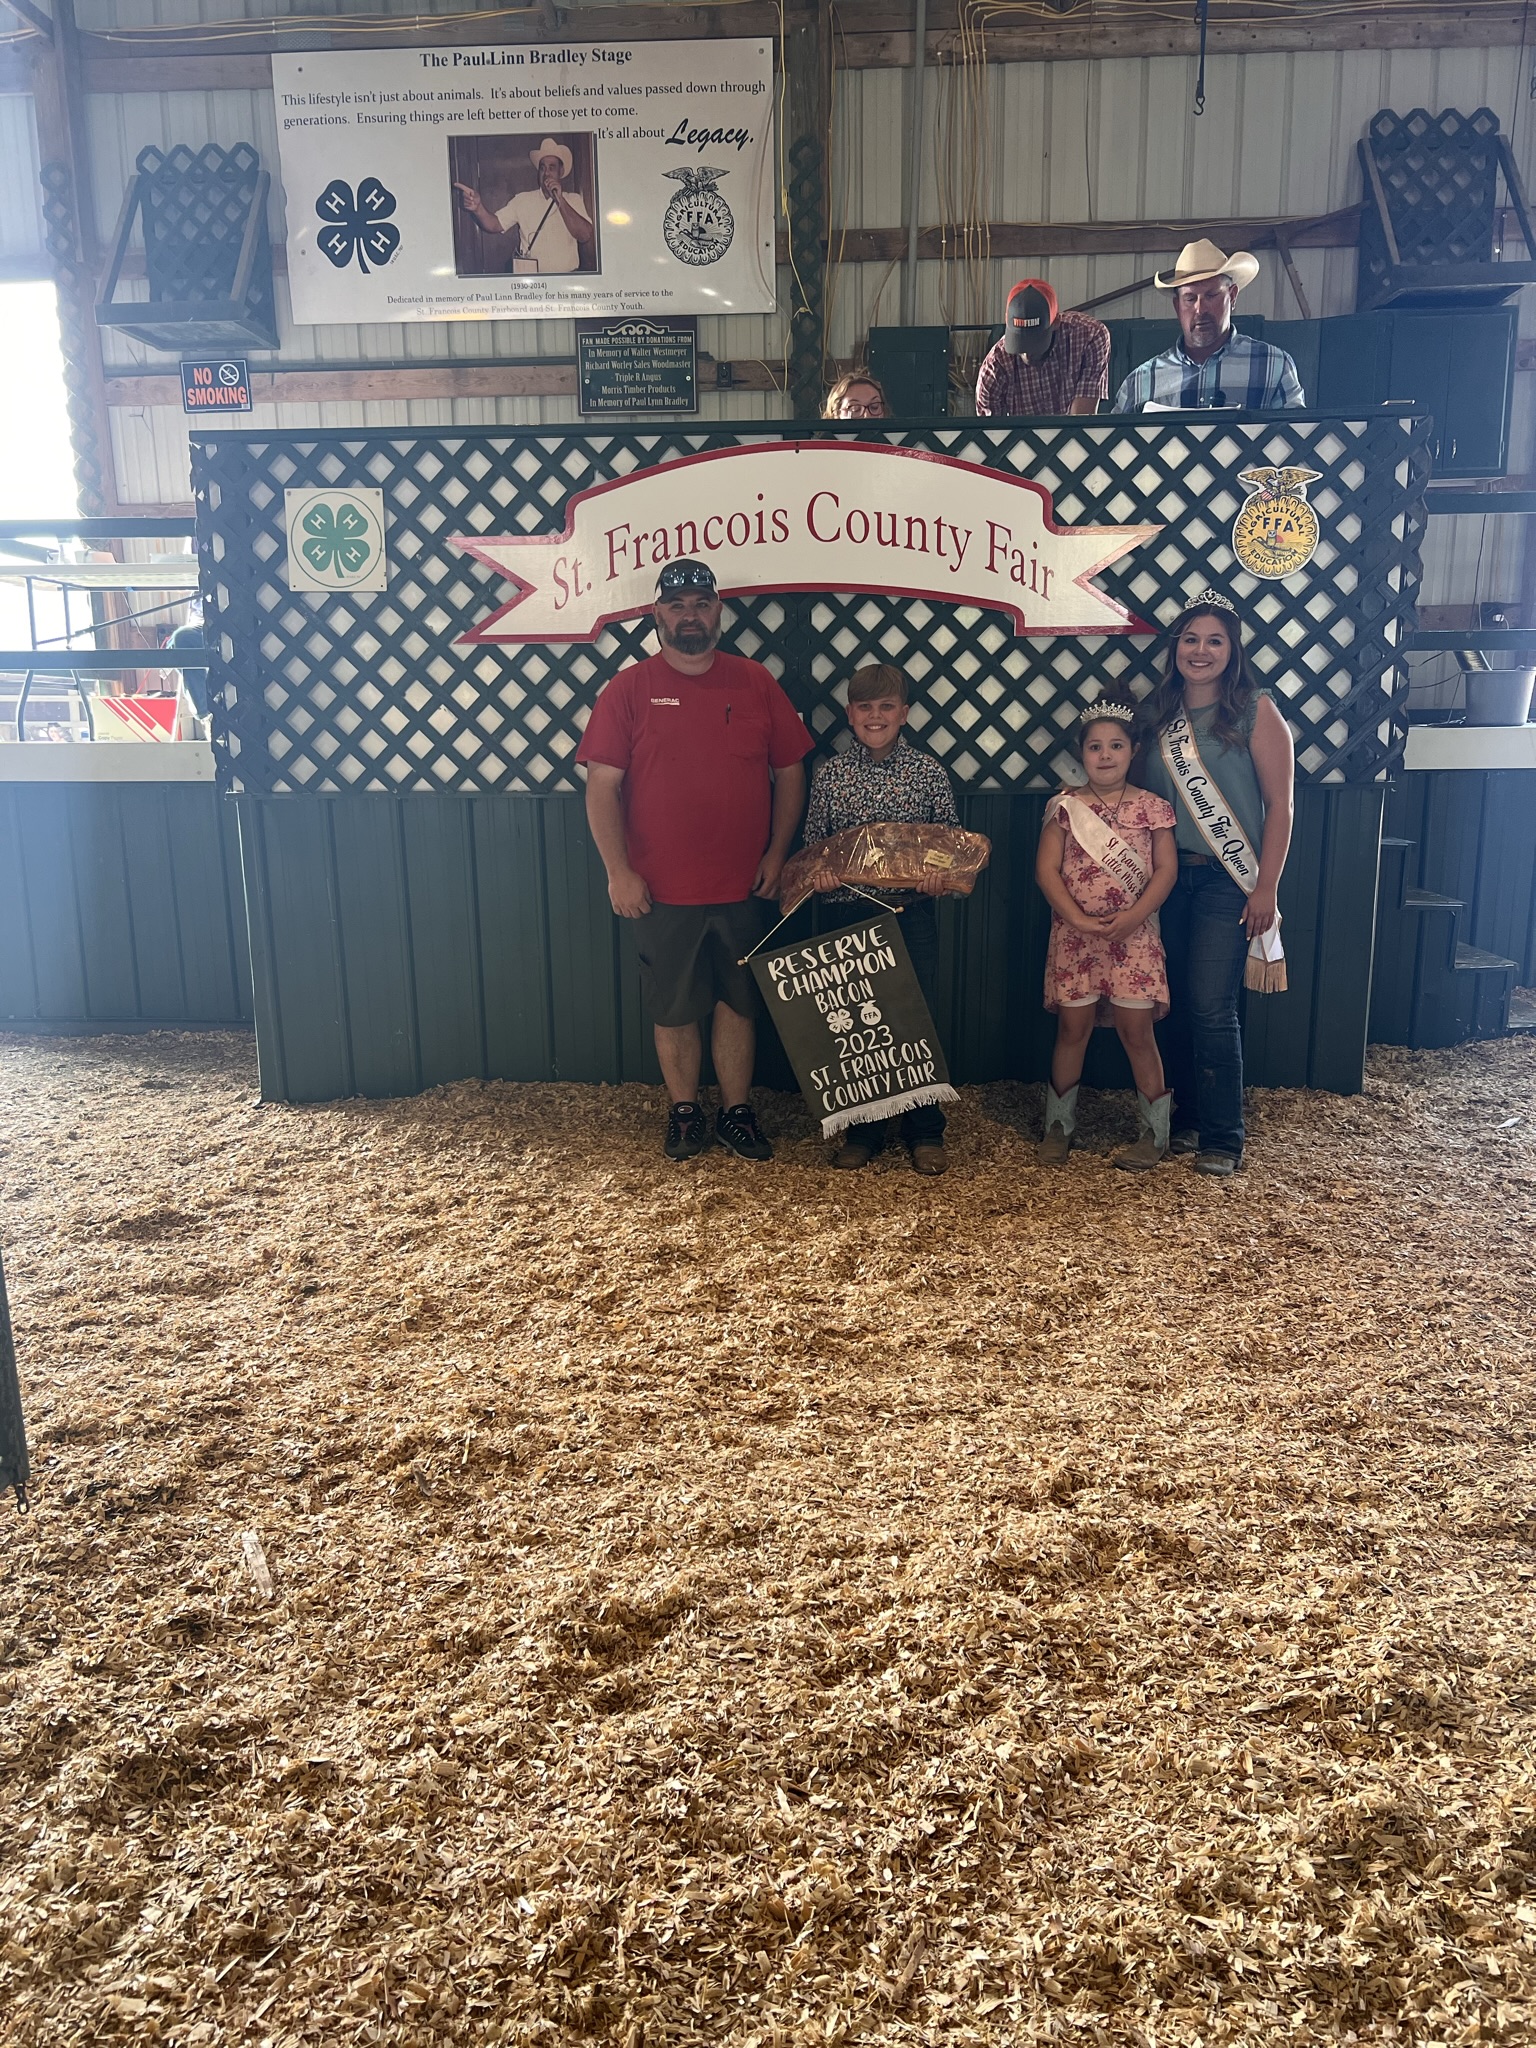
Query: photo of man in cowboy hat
(1211,363)
(545,227)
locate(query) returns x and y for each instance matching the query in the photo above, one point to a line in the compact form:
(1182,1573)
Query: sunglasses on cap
(685,576)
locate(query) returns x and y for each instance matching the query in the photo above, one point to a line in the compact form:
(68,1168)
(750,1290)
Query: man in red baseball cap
(1047,361)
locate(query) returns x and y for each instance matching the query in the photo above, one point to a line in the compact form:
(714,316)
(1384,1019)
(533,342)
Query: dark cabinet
(1457,366)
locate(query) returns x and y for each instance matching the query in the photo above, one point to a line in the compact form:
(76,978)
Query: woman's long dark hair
(1238,688)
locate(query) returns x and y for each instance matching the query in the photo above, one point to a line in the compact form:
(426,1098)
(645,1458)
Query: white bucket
(1499,696)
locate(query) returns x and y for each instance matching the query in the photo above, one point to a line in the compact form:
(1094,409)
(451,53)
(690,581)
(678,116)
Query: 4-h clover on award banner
(854,1023)
(528,181)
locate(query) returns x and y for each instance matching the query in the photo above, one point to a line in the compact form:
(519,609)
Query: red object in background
(135,718)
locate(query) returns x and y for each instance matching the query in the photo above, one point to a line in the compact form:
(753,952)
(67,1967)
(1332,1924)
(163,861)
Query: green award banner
(854,1023)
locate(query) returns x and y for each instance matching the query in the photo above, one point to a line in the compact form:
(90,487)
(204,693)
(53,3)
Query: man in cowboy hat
(1211,363)
(1047,361)
(549,227)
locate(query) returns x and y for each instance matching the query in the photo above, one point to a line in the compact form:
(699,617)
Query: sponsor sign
(221,385)
(855,1025)
(637,366)
(810,515)
(528,181)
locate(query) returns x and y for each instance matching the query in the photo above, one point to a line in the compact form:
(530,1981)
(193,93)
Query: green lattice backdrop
(322,693)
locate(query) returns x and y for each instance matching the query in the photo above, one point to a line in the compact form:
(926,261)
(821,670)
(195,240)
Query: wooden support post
(806,54)
(15,1469)
(69,234)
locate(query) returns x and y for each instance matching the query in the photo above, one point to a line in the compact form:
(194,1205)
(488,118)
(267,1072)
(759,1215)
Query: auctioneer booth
(411,627)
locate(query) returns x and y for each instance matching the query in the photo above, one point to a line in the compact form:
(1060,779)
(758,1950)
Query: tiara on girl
(1212,600)
(1092,713)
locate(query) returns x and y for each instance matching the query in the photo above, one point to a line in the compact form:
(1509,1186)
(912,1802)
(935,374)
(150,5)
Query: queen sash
(1217,823)
(1103,844)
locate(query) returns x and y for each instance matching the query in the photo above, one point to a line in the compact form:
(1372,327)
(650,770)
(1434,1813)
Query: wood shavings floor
(763,1605)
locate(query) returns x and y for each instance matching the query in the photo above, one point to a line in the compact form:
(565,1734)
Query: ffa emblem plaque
(698,223)
(1276,532)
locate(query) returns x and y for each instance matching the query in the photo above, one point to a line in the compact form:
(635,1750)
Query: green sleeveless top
(1230,767)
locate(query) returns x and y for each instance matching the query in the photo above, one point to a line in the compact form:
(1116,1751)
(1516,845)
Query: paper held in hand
(853,1020)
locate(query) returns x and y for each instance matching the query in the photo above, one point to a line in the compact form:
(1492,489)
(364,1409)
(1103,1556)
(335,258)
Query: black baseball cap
(1031,316)
(685,575)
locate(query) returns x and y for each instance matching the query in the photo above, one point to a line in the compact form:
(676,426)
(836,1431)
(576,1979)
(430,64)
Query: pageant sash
(1102,843)
(1217,824)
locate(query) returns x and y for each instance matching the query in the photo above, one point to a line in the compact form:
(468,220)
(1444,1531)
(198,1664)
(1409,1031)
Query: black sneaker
(687,1131)
(739,1131)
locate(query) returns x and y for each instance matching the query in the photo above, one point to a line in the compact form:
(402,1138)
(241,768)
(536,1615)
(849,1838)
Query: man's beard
(690,638)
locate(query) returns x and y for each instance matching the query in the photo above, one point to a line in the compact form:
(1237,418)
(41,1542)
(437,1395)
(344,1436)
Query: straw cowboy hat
(549,147)
(1200,261)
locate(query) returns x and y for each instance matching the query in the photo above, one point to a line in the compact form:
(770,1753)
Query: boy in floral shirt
(883,779)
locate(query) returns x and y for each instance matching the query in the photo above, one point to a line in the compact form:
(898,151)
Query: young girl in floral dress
(1107,860)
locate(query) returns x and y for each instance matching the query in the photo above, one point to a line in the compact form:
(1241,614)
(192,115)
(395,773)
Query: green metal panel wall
(402,942)
(121,908)
(1474,835)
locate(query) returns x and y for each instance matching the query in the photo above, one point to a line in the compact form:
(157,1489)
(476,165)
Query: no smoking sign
(219,386)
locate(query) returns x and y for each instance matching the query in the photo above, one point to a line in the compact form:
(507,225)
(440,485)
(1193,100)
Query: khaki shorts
(688,956)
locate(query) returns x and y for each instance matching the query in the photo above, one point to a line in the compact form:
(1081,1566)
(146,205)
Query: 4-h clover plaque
(335,539)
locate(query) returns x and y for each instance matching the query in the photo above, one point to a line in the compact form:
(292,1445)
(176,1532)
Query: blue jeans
(1201,1039)
(920,930)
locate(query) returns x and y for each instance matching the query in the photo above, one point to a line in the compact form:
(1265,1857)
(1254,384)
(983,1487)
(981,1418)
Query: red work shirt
(695,752)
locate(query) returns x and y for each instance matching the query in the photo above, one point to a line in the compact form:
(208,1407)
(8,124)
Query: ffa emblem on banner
(698,224)
(335,539)
(1276,532)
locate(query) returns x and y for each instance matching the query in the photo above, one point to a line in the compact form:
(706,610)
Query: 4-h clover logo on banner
(335,539)
(358,227)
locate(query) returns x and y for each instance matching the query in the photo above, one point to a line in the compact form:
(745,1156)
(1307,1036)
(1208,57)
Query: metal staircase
(1427,988)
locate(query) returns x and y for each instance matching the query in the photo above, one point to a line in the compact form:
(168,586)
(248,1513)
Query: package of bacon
(877,857)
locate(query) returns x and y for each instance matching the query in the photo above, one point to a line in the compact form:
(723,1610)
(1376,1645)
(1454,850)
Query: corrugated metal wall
(1062,142)
(122,908)
(1117,140)
(21,215)
(1066,141)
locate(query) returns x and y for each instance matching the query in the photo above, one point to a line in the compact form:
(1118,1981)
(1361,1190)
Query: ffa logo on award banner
(335,539)
(1276,532)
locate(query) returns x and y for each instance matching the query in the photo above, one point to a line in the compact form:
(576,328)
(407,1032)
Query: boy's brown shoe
(853,1153)
(929,1159)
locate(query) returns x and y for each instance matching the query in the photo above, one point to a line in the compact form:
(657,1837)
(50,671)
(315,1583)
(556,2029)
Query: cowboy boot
(1060,1123)
(1152,1145)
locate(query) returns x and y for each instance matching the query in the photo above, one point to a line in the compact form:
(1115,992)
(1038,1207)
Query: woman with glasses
(856,397)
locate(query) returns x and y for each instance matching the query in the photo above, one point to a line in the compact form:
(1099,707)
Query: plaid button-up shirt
(1012,387)
(1252,374)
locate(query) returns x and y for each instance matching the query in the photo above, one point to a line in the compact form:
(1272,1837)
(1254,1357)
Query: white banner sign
(810,515)
(528,181)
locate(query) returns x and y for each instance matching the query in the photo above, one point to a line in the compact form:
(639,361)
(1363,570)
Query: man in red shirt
(695,786)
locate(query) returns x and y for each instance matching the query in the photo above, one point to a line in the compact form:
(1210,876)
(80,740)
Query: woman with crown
(1106,862)
(1219,751)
